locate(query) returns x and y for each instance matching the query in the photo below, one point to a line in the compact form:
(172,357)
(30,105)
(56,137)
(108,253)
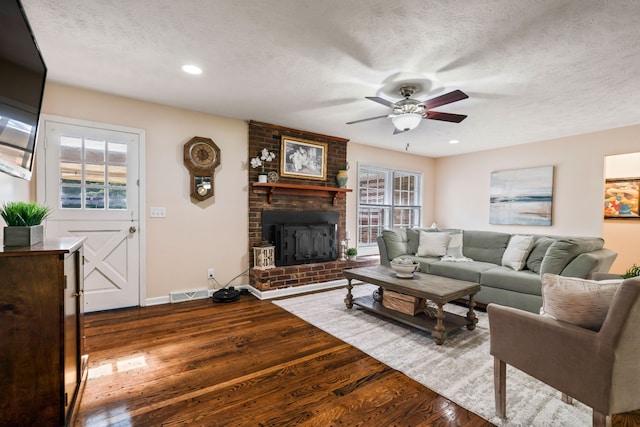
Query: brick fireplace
(302,195)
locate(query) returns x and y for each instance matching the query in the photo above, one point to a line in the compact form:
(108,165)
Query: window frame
(389,206)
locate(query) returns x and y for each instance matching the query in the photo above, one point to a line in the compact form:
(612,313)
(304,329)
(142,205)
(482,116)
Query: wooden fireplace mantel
(333,193)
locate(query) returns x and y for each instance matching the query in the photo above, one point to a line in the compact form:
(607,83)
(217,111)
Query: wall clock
(201,158)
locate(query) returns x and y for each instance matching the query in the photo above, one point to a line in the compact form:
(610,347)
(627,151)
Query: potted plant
(24,222)
(258,161)
(631,272)
(352,253)
(342,177)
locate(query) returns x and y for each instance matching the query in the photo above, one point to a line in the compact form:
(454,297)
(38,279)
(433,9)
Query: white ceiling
(533,70)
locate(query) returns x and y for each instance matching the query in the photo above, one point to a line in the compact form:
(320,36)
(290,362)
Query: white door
(91,180)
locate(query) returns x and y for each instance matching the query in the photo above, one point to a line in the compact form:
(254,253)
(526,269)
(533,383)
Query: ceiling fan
(407,113)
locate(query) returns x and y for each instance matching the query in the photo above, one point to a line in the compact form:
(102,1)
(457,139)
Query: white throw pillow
(577,301)
(433,244)
(454,248)
(518,249)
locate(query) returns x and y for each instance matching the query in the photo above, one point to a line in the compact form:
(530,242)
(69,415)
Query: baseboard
(295,290)
(266,295)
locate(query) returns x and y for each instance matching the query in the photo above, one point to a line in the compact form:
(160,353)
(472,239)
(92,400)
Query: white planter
(262,178)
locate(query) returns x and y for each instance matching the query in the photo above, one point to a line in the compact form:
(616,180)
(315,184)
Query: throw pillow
(433,244)
(413,238)
(537,254)
(577,301)
(518,250)
(563,251)
(454,248)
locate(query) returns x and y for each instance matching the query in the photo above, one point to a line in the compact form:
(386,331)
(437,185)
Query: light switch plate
(158,212)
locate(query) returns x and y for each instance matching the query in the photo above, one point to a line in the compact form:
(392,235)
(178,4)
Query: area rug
(461,369)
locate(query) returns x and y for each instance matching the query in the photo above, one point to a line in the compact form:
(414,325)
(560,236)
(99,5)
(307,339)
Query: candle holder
(343,250)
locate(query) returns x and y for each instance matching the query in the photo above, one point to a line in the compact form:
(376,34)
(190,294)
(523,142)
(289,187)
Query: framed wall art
(621,198)
(521,196)
(301,158)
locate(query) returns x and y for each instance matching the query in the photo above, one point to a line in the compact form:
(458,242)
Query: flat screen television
(22,79)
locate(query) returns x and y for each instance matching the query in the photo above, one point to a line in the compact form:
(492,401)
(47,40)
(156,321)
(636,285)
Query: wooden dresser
(42,366)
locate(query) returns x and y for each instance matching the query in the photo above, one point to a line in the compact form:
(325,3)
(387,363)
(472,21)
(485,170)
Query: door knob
(132,229)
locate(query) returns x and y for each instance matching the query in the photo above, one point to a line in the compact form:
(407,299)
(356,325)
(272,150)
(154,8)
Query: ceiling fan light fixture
(407,121)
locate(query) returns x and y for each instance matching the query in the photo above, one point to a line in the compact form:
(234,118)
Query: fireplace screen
(301,237)
(302,244)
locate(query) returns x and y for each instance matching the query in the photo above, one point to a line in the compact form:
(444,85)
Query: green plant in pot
(631,272)
(351,253)
(24,222)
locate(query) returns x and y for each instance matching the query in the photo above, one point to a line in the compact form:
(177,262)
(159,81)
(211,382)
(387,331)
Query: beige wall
(462,183)
(193,236)
(623,233)
(363,154)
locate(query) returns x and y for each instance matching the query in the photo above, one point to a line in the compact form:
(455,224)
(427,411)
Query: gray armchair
(600,369)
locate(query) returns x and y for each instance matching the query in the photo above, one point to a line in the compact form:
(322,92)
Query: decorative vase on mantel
(262,178)
(341,178)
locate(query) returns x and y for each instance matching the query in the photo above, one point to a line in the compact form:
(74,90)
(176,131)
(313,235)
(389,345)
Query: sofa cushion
(485,246)
(425,262)
(524,281)
(563,251)
(396,242)
(518,248)
(580,302)
(469,271)
(433,244)
(537,253)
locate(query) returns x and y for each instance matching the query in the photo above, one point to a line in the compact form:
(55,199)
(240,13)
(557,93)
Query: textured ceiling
(533,70)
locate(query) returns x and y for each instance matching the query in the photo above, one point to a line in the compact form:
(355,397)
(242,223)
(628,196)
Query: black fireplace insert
(301,237)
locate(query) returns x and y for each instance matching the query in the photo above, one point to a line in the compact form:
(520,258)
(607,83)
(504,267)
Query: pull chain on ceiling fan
(407,113)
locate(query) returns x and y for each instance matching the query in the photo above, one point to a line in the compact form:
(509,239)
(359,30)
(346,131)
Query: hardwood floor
(246,363)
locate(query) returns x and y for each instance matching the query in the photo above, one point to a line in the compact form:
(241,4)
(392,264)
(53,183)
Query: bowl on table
(404,267)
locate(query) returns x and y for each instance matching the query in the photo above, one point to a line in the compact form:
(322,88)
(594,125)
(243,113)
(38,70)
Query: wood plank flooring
(246,363)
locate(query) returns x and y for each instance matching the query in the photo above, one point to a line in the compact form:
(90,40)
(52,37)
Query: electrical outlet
(210,273)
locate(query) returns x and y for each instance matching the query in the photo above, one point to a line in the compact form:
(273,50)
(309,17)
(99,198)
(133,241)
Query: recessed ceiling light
(191,69)
(454,141)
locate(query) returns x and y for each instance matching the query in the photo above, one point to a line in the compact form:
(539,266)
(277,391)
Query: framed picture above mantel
(300,158)
(621,198)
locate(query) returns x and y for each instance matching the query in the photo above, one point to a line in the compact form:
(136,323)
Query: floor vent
(188,295)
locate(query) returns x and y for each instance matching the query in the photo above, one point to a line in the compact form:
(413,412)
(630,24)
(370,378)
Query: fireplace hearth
(301,237)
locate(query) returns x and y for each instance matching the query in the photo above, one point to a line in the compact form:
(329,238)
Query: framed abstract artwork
(300,158)
(621,198)
(521,196)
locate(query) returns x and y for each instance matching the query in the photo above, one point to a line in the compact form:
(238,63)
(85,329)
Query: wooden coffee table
(438,289)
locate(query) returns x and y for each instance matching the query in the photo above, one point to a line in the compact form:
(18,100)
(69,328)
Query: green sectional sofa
(482,260)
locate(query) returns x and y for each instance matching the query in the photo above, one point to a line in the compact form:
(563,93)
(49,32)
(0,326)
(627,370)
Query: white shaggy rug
(461,369)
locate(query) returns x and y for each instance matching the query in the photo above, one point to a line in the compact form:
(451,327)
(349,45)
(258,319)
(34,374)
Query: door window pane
(94,198)
(71,149)
(94,151)
(117,198)
(93,174)
(117,153)
(70,197)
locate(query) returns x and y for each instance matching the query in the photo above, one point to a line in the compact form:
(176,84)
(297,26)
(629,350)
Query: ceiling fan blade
(381,101)
(445,117)
(366,120)
(447,98)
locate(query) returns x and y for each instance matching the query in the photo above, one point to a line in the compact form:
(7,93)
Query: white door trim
(41,174)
